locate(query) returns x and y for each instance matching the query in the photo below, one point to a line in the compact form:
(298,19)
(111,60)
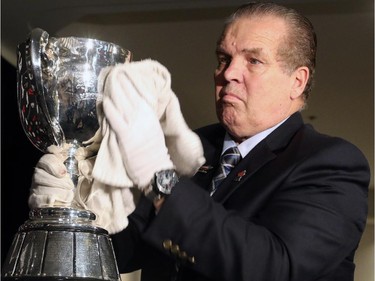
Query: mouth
(229,97)
(229,93)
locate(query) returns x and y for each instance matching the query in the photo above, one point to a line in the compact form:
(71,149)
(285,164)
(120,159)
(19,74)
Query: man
(293,208)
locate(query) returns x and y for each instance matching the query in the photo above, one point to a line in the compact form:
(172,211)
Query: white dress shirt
(246,146)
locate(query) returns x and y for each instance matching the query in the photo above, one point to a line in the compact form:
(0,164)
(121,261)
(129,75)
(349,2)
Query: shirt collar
(246,146)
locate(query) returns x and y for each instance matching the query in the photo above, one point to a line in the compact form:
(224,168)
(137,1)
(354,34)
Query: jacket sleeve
(128,245)
(311,223)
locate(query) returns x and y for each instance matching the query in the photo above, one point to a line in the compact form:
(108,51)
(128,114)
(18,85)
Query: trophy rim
(129,53)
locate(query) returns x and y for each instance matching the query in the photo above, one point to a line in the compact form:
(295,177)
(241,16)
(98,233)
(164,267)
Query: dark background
(18,157)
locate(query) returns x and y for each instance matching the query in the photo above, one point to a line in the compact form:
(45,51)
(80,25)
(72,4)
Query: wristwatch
(162,184)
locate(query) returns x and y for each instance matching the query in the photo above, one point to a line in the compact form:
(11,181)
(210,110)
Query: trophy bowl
(57,95)
(57,88)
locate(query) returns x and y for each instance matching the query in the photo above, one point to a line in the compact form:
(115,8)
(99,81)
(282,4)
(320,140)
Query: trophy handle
(34,112)
(38,41)
(31,116)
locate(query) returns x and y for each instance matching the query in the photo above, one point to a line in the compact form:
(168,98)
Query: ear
(300,75)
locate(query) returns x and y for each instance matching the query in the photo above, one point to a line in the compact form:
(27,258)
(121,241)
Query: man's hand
(158,203)
(136,127)
(53,187)
(51,184)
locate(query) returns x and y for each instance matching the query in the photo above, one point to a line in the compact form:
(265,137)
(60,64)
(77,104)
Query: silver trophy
(57,94)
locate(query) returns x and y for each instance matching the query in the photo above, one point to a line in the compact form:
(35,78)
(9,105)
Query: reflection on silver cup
(57,89)
(57,94)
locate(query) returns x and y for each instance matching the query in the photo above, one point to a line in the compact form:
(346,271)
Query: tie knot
(231,156)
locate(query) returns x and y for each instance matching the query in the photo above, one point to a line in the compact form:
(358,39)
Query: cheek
(217,91)
(268,95)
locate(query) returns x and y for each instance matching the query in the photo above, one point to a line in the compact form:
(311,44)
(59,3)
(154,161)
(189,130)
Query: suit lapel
(213,145)
(260,155)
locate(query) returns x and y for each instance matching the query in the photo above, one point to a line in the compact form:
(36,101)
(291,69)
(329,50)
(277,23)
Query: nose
(234,71)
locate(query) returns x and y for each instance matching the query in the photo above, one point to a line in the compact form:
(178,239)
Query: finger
(43,178)
(52,165)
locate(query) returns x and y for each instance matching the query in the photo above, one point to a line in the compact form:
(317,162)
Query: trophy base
(61,244)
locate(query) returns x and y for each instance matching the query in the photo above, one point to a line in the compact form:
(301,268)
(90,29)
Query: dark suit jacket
(293,209)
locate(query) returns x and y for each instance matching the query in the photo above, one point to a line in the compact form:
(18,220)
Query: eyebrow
(253,51)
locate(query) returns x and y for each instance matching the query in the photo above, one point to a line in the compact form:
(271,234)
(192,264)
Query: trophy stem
(71,163)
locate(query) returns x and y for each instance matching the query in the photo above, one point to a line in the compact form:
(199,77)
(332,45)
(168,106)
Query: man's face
(253,91)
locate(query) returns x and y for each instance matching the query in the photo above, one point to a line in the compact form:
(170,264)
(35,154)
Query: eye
(223,60)
(254,61)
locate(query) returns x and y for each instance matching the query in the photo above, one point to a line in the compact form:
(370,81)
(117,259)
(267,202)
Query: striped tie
(228,160)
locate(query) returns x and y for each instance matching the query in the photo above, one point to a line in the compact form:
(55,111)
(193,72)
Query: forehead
(261,33)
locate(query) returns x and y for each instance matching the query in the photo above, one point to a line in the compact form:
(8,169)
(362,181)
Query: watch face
(166,180)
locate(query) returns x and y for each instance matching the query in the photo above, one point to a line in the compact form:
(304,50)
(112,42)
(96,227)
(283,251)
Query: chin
(229,125)
(234,134)
(228,117)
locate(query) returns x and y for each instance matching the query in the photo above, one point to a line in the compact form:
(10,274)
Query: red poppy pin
(240,175)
